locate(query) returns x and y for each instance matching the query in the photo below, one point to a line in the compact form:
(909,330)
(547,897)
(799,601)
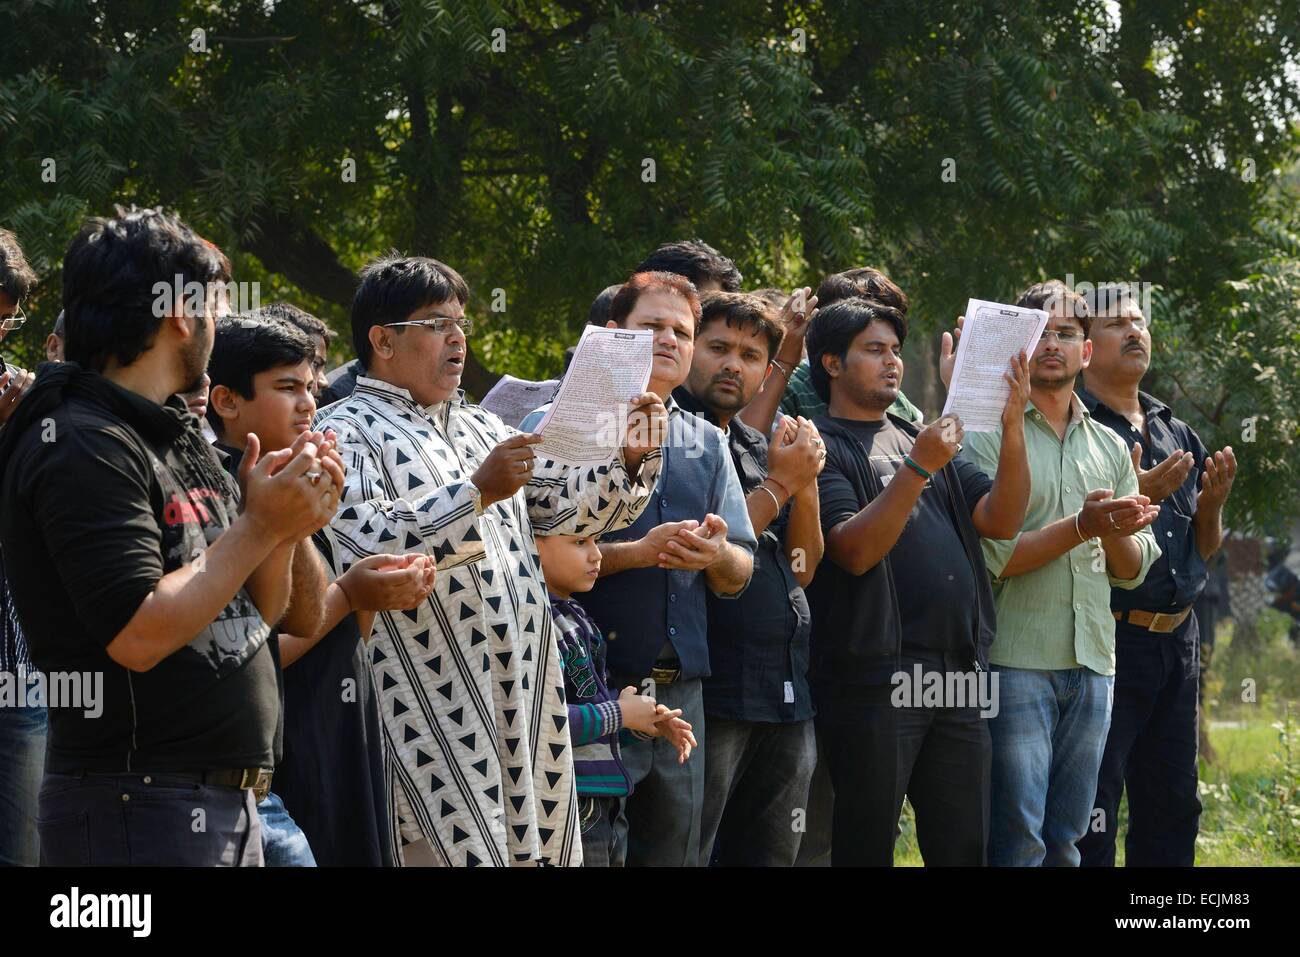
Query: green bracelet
(907,460)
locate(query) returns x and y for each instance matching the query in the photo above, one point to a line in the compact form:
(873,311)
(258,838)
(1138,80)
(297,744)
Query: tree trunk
(1249,596)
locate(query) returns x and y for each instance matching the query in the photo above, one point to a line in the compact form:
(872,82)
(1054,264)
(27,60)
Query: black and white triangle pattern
(470,682)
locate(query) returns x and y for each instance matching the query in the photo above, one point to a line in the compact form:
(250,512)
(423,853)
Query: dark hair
(394,287)
(246,345)
(115,274)
(1046,295)
(288,312)
(740,310)
(1111,297)
(864,282)
(16,276)
(696,260)
(598,314)
(626,298)
(777,298)
(833,330)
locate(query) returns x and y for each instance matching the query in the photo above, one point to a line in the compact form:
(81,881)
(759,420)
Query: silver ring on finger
(313,477)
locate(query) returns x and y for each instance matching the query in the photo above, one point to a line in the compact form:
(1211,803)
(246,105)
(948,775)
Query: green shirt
(1058,616)
(802,399)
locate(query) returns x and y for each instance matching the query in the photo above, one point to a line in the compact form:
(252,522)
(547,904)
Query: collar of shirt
(439,410)
(1078,412)
(1149,404)
(687,400)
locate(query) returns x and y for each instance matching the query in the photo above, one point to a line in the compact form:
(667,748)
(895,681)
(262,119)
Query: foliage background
(1152,141)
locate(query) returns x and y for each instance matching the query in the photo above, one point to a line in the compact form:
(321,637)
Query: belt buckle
(1158,623)
(665,676)
(258,779)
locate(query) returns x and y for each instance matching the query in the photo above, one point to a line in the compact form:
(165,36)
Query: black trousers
(1151,751)
(940,758)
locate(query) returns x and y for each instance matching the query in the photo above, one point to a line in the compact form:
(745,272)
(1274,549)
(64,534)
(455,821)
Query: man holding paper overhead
(901,603)
(1085,531)
(471,691)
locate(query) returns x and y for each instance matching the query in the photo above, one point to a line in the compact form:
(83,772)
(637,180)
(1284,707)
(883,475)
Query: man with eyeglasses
(1086,530)
(22,730)
(470,685)
(1151,748)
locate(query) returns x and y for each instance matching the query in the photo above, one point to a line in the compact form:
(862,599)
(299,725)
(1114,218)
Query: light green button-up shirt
(1058,616)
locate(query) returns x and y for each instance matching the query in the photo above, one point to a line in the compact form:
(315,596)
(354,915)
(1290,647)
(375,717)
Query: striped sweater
(595,717)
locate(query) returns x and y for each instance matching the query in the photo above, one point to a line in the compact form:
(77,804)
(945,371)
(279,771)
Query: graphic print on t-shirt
(192,520)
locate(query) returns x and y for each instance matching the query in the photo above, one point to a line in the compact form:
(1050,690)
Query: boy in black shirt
(138,563)
(329,770)
(903,592)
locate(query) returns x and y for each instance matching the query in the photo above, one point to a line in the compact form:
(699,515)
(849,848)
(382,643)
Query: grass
(1251,792)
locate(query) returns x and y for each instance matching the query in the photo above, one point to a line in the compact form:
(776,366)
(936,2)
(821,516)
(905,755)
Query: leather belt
(1162,623)
(257,779)
(665,676)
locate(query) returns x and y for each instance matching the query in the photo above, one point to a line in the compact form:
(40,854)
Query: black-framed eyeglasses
(14,321)
(441,324)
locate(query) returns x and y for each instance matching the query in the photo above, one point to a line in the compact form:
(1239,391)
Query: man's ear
(831,363)
(223,399)
(1087,353)
(381,342)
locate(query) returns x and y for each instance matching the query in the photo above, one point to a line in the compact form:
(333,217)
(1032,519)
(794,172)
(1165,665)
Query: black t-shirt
(329,763)
(103,495)
(932,575)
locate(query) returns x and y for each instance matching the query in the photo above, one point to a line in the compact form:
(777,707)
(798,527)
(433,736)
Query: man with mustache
(470,681)
(693,539)
(756,698)
(1151,748)
(1085,531)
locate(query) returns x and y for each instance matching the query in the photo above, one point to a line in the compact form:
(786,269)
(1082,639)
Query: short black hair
(301,318)
(16,277)
(833,330)
(1045,296)
(598,314)
(248,344)
(740,310)
(395,286)
(696,260)
(112,276)
(865,282)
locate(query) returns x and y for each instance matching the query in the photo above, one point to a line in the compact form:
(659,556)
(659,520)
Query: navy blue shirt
(1178,575)
(642,609)
(758,644)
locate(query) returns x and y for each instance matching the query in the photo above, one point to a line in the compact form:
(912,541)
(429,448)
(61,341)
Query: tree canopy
(543,148)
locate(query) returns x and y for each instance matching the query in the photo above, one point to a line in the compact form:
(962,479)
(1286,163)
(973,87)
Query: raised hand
(507,468)
(388,582)
(1161,481)
(938,443)
(1216,483)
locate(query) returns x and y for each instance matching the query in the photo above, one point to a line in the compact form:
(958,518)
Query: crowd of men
(357,619)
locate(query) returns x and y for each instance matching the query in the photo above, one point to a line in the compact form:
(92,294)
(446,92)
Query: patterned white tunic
(470,684)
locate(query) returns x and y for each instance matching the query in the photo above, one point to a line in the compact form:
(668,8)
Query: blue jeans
(1048,739)
(283,842)
(22,761)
